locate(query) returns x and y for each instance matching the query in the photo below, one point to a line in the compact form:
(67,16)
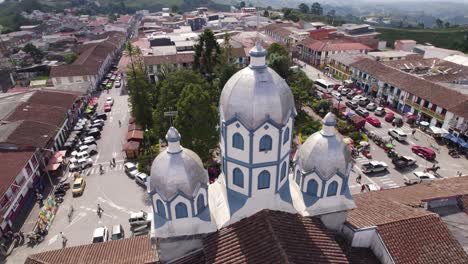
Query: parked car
(117,84)
(352,104)
(100,235)
(371,107)
(397,122)
(403,161)
(117,232)
(389,116)
(379,111)
(345,91)
(131,170)
(141,178)
(102,116)
(362,112)
(397,134)
(373,121)
(369,187)
(351,95)
(77,155)
(94,133)
(107,108)
(110,101)
(337,95)
(357,98)
(97,126)
(140,223)
(424,152)
(78,186)
(374,166)
(364,101)
(419,176)
(97,122)
(81,164)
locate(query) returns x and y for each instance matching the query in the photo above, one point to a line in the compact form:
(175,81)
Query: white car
(337,95)
(100,234)
(420,176)
(81,164)
(370,187)
(110,101)
(397,134)
(141,178)
(78,154)
(357,98)
(131,169)
(371,107)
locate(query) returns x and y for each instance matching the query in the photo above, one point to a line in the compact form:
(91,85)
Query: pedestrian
(99,210)
(110,164)
(358,179)
(413,132)
(64,240)
(113,161)
(120,124)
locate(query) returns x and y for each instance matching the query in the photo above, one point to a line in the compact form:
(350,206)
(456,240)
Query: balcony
(425,110)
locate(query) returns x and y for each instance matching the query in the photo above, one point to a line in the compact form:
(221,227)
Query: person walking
(99,210)
(120,124)
(113,162)
(64,240)
(413,132)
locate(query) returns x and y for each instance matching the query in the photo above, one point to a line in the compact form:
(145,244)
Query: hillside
(452,38)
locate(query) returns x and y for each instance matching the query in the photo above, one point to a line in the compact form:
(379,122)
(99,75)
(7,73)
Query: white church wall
(285,147)
(234,153)
(283,181)
(230,176)
(265,156)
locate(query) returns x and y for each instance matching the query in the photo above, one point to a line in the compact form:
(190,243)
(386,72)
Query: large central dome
(257,93)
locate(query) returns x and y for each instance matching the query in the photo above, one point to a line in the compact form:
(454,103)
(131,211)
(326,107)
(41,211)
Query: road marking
(411,142)
(52,240)
(369,179)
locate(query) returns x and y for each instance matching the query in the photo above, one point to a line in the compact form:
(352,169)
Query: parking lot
(117,194)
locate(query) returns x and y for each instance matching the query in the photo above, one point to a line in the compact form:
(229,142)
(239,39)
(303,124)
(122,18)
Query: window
(34,161)
(264,180)
(283,171)
(238,177)
(161,209)
(265,143)
(312,187)
(298,177)
(29,170)
(181,210)
(286,136)
(332,189)
(200,203)
(238,141)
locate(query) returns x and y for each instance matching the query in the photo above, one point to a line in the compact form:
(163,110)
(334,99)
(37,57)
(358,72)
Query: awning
(438,130)
(135,135)
(53,167)
(134,126)
(131,146)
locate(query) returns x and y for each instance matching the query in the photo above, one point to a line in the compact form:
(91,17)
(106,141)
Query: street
(394,178)
(117,194)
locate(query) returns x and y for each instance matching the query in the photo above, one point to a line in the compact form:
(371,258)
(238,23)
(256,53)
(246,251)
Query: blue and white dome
(325,152)
(257,93)
(177,169)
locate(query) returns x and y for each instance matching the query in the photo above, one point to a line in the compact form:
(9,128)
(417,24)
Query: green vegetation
(70,57)
(449,38)
(35,53)
(207,52)
(10,14)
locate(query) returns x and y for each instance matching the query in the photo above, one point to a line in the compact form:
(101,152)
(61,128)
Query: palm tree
(134,53)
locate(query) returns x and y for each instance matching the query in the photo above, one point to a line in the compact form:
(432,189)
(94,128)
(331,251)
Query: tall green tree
(266,13)
(207,53)
(279,60)
(36,53)
(196,120)
(140,96)
(303,8)
(225,68)
(169,91)
(316,9)
(300,86)
(439,23)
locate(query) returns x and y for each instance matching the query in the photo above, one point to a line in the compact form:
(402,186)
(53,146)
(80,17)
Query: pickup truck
(374,166)
(140,223)
(403,161)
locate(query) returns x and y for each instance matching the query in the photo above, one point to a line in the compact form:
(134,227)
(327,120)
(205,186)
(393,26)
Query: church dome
(177,169)
(257,93)
(324,152)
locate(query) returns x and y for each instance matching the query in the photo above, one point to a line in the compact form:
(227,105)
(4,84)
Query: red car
(107,107)
(424,152)
(373,121)
(389,116)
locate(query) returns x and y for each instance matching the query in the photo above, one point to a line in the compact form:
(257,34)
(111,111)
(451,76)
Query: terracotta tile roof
(27,134)
(334,45)
(12,162)
(53,98)
(133,250)
(357,255)
(421,240)
(437,94)
(197,257)
(377,208)
(47,114)
(274,237)
(172,59)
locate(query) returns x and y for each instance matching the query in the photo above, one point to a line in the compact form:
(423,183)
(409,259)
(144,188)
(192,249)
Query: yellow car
(78,186)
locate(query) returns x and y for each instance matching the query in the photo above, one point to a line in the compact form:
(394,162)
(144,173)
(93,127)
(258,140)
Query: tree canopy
(36,53)
(303,8)
(279,59)
(207,53)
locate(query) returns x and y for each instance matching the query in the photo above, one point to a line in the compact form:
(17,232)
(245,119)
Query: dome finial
(173,140)
(329,123)
(258,56)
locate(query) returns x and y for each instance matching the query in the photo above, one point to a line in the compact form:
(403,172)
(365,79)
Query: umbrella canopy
(424,123)
(364,143)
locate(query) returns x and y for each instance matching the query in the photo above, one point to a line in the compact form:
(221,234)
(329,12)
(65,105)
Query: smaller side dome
(325,152)
(177,169)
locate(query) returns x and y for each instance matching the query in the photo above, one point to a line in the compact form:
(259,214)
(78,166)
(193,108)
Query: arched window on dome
(332,189)
(161,209)
(286,136)
(298,177)
(283,171)
(266,143)
(200,203)
(264,180)
(238,177)
(312,188)
(238,141)
(181,210)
